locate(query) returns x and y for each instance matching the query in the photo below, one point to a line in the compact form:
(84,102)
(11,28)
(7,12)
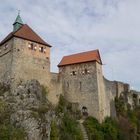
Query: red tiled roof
(81,58)
(25,32)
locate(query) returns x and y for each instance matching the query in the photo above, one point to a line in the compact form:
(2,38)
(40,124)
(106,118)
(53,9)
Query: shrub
(10,132)
(45,91)
(108,130)
(54,131)
(61,105)
(120,106)
(69,129)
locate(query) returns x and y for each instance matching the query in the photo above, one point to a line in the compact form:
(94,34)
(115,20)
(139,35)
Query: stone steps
(83,130)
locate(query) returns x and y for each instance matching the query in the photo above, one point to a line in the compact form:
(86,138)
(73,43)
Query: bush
(69,129)
(120,106)
(45,91)
(61,105)
(10,132)
(54,131)
(108,130)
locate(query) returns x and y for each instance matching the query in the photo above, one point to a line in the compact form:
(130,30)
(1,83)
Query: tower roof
(83,57)
(25,32)
(18,19)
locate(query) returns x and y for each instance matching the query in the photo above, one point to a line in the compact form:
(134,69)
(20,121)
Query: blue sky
(71,26)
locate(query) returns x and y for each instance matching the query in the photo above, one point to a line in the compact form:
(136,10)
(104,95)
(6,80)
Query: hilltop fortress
(25,56)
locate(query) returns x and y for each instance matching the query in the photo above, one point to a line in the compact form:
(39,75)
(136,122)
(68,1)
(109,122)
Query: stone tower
(24,56)
(82,83)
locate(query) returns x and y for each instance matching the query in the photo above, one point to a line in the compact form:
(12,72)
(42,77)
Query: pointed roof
(25,32)
(83,57)
(18,19)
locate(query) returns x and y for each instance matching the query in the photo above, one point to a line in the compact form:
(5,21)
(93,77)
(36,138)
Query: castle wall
(83,88)
(111,93)
(55,88)
(30,64)
(104,108)
(6,61)
(115,89)
(121,87)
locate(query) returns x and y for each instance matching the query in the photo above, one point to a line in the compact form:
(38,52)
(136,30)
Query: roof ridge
(81,52)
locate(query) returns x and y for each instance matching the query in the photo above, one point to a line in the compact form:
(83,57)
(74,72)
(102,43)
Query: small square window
(73,72)
(31,46)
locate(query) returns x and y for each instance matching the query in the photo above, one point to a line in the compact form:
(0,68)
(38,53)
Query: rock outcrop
(30,109)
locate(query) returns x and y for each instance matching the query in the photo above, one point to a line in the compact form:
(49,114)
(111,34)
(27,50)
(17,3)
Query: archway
(84,111)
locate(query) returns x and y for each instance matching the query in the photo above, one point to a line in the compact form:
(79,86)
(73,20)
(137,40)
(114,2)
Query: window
(31,46)
(85,71)
(44,50)
(41,49)
(73,72)
(35,47)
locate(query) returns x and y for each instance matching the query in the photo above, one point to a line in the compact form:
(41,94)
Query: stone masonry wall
(55,88)
(6,61)
(30,64)
(104,108)
(81,88)
(111,92)
(115,89)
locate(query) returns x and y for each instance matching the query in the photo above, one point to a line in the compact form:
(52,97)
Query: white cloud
(80,25)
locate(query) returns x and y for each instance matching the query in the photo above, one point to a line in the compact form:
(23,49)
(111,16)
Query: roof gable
(25,32)
(81,58)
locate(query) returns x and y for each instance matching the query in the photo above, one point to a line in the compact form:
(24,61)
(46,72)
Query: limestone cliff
(29,109)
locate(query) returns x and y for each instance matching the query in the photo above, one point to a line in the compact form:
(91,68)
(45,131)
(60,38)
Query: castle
(24,56)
